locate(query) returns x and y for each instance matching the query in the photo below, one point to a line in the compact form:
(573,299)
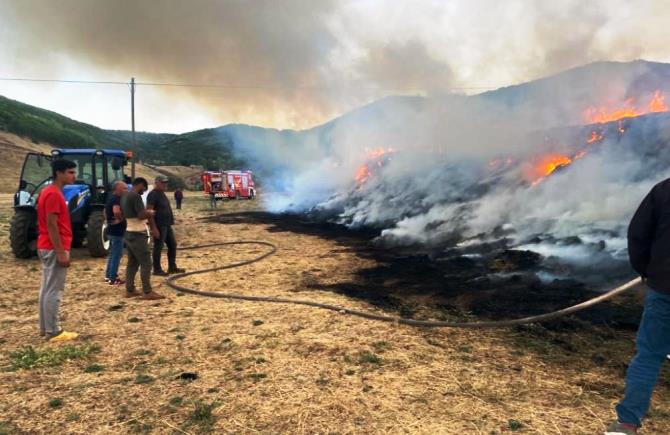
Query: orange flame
(364,172)
(657,103)
(545,166)
(579,155)
(602,114)
(375,154)
(595,137)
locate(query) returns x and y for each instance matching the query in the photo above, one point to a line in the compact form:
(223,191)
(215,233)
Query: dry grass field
(192,364)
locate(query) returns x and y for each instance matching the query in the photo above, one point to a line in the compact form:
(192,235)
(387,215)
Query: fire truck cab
(230,184)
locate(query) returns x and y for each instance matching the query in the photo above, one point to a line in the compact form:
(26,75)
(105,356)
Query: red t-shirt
(51,200)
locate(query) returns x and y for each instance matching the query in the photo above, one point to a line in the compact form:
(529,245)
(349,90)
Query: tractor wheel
(23,233)
(78,239)
(96,239)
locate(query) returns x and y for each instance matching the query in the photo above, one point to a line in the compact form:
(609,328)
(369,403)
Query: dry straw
(268,368)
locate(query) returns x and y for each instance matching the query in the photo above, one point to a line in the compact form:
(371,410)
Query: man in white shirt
(22,197)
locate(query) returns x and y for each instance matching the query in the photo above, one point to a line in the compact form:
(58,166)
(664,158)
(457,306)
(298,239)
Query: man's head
(120,188)
(161,183)
(63,171)
(140,185)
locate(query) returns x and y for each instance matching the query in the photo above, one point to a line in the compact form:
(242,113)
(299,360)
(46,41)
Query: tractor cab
(97,171)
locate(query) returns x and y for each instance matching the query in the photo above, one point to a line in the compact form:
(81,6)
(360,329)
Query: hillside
(548,102)
(39,125)
(14,148)
(394,121)
(36,125)
(189,175)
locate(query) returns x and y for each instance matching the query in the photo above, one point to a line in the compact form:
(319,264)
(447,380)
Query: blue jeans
(114,258)
(653,344)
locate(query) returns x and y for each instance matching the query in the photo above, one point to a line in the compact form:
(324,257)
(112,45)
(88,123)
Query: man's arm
(62,256)
(148,214)
(116,211)
(641,233)
(138,206)
(151,204)
(153,228)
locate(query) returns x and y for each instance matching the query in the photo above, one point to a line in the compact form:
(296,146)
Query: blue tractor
(97,171)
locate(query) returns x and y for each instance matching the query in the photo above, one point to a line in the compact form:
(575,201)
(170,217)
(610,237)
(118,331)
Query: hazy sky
(298,63)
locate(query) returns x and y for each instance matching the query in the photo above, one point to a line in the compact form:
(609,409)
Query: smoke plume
(463,173)
(299,63)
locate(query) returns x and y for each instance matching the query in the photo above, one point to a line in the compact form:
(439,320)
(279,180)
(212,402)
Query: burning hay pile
(569,202)
(555,167)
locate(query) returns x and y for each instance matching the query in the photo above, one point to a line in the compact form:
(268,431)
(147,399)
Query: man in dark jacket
(649,253)
(178,198)
(158,201)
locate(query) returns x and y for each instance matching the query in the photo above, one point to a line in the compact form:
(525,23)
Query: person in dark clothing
(137,245)
(178,198)
(158,201)
(649,254)
(116,229)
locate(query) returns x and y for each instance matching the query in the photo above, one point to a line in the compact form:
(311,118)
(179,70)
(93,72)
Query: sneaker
(107,280)
(617,428)
(160,273)
(176,270)
(152,296)
(117,281)
(63,336)
(132,294)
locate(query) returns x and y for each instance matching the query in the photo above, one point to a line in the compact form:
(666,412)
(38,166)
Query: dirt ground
(194,364)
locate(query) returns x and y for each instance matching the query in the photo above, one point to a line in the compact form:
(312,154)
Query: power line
(233,86)
(91,82)
(309,88)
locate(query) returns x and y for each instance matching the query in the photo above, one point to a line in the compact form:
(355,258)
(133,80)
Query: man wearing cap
(158,201)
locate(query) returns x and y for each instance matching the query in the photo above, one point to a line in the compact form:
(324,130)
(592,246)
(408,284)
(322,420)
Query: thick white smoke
(456,171)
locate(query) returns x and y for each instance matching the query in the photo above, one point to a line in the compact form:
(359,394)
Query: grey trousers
(138,257)
(51,292)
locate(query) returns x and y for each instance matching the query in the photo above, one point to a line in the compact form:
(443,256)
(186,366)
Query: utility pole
(132,115)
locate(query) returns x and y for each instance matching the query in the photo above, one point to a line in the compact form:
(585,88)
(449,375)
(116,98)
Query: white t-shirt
(24,198)
(146,193)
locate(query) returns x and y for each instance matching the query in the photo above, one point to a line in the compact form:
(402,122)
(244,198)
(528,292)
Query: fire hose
(367,315)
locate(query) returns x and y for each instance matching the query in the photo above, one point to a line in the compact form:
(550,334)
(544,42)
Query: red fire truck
(229,184)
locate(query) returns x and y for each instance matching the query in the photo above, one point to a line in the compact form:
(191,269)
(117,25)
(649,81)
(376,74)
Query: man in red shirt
(53,247)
